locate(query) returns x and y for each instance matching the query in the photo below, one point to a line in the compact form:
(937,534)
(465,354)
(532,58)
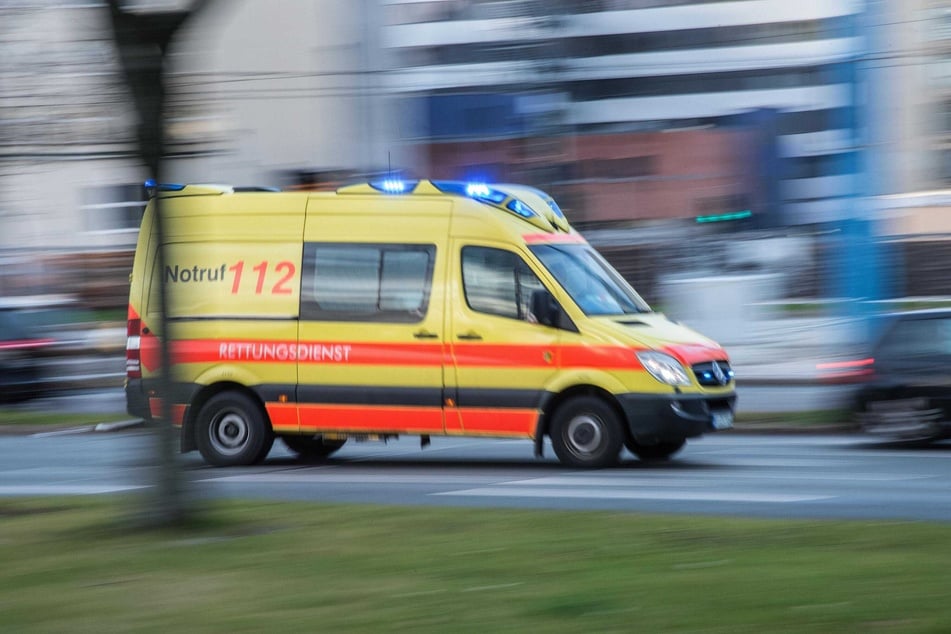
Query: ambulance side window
(367,282)
(498,282)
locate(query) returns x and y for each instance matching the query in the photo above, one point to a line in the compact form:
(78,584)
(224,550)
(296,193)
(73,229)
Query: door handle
(425,334)
(470,336)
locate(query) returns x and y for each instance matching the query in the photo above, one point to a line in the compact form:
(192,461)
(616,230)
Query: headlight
(664,368)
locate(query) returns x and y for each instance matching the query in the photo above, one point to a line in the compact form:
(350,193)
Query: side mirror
(545,309)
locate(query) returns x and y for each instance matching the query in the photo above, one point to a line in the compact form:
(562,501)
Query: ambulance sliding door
(370,350)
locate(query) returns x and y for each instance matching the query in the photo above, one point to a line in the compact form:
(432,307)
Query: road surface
(782,476)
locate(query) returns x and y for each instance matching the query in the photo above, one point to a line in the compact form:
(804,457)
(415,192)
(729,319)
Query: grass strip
(75,565)
(11,416)
(806,419)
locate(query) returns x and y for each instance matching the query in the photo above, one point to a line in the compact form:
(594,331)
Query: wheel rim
(584,435)
(229,433)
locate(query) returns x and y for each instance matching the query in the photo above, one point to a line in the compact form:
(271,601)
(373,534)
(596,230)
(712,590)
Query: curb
(63,430)
(119,425)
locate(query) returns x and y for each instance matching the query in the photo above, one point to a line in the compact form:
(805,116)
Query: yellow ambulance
(392,308)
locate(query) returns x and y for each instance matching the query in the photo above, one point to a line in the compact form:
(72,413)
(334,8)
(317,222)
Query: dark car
(21,359)
(906,390)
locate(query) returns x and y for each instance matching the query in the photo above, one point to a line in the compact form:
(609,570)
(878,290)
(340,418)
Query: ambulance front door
(502,358)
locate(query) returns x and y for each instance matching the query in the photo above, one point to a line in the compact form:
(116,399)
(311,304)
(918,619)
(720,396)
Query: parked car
(21,357)
(905,392)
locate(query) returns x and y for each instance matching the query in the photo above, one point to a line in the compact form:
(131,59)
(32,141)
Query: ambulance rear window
(367,282)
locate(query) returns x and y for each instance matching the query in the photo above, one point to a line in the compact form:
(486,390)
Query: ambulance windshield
(591,282)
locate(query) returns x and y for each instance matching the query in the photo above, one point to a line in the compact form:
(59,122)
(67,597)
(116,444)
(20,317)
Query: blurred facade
(628,111)
(644,108)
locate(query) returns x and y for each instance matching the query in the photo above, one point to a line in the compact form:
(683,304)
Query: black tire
(312,447)
(232,430)
(586,432)
(660,451)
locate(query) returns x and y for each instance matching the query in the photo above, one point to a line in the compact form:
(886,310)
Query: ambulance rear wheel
(312,447)
(586,432)
(231,430)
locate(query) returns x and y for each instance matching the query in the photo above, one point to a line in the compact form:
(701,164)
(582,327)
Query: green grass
(808,419)
(73,565)
(11,416)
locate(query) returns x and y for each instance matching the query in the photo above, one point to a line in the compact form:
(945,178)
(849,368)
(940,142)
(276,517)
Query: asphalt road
(784,476)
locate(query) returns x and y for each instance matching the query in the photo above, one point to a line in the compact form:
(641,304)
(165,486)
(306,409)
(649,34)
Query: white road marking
(64,432)
(782,462)
(678,480)
(292,477)
(64,489)
(592,494)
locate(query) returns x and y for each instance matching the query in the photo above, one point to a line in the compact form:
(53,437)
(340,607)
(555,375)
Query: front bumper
(655,418)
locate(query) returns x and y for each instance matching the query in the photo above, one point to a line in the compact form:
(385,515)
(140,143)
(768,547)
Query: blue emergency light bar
(520,208)
(477,191)
(152,188)
(394,186)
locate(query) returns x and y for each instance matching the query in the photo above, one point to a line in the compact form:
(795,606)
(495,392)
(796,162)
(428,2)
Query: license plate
(723,419)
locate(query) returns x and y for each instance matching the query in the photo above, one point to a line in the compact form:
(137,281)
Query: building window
(114,208)
(626,43)
(714,205)
(821,165)
(619,169)
(367,282)
(728,81)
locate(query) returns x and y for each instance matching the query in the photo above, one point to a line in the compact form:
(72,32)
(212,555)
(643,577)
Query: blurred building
(626,110)
(912,94)
(641,108)
(258,93)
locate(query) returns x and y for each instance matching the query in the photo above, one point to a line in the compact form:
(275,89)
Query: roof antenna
(389,165)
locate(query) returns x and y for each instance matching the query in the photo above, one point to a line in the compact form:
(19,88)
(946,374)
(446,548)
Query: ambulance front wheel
(655,453)
(312,447)
(231,430)
(586,432)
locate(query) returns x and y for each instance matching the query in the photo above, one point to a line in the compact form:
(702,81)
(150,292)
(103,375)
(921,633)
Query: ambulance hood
(657,332)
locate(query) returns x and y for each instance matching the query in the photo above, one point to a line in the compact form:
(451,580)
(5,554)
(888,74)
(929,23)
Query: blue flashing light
(481,191)
(520,208)
(152,188)
(554,207)
(476,191)
(551,202)
(394,186)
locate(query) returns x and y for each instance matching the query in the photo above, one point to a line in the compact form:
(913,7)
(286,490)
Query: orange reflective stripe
(316,352)
(178,411)
(408,420)
(553,238)
(414,354)
(620,357)
(494,355)
(496,422)
(691,353)
(283,416)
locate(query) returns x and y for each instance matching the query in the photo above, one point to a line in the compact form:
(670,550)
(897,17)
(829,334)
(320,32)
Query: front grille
(708,376)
